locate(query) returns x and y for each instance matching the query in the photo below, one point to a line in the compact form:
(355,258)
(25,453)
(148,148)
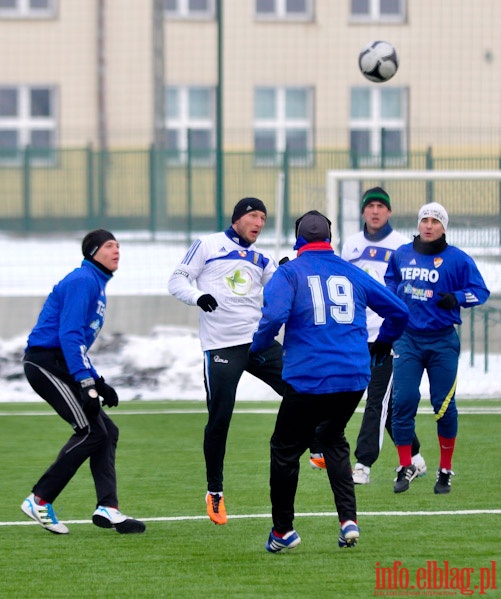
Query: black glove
(207,302)
(380,352)
(109,395)
(256,358)
(448,301)
(283,260)
(90,397)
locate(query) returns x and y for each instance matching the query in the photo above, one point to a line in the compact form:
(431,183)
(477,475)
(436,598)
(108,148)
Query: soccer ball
(378,61)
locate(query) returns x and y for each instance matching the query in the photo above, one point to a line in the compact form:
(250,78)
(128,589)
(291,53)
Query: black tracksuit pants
(223,369)
(298,418)
(94,437)
(378,415)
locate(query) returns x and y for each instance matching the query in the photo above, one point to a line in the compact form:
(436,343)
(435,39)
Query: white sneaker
(44,515)
(361,474)
(110,517)
(420,464)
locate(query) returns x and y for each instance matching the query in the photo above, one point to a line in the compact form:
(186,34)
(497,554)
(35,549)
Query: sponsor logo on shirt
(419,274)
(240,282)
(418,294)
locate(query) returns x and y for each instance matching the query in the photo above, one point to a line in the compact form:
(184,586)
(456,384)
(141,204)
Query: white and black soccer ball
(378,61)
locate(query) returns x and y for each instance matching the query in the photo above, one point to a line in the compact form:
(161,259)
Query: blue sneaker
(348,534)
(288,541)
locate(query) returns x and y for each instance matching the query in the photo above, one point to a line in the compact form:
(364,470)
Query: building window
(378,126)
(27,8)
(190,9)
(27,119)
(394,11)
(283,119)
(301,10)
(190,124)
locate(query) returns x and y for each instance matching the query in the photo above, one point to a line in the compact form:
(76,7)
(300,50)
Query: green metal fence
(156,190)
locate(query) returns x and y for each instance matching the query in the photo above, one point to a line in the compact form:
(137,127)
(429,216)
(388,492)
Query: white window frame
(184,122)
(374,14)
(24,123)
(281,124)
(281,13)
(183,11)
(23,10)
(375,123)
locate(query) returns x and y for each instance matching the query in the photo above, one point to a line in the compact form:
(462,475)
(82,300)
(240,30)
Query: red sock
(280,535)
(40,501)
(405,455)
(345,521)
(446,451)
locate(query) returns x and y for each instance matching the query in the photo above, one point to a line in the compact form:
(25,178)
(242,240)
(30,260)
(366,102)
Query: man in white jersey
(229,273)
(370,250)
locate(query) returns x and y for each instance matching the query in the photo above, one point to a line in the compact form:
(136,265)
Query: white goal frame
(335,177)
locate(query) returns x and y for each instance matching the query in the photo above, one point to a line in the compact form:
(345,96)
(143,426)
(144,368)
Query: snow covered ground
(168,363)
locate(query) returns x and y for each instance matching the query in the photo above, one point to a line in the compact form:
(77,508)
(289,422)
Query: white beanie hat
(434,210)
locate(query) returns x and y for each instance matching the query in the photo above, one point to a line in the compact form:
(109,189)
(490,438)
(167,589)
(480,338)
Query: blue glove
(380,352)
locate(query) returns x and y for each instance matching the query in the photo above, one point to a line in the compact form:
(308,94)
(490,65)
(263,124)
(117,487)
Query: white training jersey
(373,257)
(235,276)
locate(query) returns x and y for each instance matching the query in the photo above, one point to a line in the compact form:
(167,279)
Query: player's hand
(448,301)
(109,395)
(380,352)
(283,260)
(90,397)
(255,358)
(207,302)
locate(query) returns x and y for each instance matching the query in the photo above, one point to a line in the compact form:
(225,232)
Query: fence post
(429,167)
(153,188)
(472,336)
(90,186)
(27,188)
(285,214)
(486,340)
(189,188)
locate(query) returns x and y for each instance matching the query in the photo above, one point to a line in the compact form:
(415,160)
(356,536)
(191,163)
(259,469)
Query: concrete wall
(137,315)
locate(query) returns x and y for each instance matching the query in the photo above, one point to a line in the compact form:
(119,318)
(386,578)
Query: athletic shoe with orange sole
(317,461)
(215,508)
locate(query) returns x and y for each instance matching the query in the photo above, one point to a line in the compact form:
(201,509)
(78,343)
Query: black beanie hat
(247,205)
(313,226)
(94,240)
(376,194)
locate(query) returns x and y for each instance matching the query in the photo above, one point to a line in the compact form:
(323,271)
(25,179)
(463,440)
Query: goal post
(334,196)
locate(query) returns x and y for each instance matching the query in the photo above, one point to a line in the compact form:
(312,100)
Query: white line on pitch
(300,515)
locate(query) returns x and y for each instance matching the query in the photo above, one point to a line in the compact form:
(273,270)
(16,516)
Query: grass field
(182,554)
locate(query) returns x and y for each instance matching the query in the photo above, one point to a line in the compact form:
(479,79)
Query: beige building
(82,71)
(123,75)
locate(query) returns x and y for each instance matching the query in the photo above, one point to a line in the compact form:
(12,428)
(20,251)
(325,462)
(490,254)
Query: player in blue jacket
(322,300)
(435,280)
(59,369)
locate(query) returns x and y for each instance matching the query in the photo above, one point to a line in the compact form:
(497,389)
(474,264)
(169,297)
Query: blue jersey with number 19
(323,300)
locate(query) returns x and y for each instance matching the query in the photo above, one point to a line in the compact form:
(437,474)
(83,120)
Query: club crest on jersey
(372,252)
(437,262)
(242,253)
